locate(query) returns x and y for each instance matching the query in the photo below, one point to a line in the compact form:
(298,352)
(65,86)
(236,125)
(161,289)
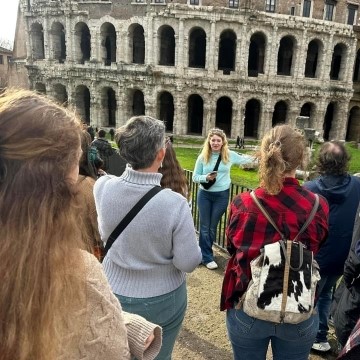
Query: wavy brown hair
(40,267)
(282,151)
(173,175)
(206,150)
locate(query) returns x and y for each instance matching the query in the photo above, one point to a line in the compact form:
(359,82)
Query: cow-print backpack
(284,278)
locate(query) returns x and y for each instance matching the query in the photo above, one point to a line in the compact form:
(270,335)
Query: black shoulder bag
(210,183)
(129,216)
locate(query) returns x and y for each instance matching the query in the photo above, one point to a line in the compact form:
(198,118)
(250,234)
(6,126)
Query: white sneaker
(212,265)
(321,346)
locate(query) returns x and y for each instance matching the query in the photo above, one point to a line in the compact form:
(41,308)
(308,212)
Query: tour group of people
(59,301)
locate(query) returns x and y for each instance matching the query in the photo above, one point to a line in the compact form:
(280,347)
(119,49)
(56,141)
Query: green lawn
(187,158)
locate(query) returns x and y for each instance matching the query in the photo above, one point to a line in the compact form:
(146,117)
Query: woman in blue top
(213,202)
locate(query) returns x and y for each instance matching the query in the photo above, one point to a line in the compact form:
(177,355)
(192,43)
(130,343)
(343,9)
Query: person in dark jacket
(104,148)
(346,305)
(342,191)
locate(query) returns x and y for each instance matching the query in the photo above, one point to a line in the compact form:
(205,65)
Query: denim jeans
(250,337)
(325,290)
(166,310)
(212,205)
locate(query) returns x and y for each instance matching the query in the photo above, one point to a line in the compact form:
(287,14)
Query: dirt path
(203,336)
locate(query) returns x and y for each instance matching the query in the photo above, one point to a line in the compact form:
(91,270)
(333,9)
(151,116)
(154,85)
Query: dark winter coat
(343,195)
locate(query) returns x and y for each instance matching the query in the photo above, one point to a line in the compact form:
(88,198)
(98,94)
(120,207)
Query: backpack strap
(283,240)
(129,216)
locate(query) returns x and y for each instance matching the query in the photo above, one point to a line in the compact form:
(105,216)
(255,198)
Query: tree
(6,43)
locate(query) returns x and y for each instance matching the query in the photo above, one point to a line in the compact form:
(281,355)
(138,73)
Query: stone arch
(137,44)
(224,110)
(353,126)
(313,59)
(195,114)
(257,50)
(166,109)
(286,56)
(252,118)
(108,106)
(60,94)
(167,45)
(82,103)
(197,48)
(138,103)
(356,75)
(280,113)
(227,51)
(337,70)
(58,42)
(328,120)
(108,43)
(40,88)
(308,110)
(82,43)
(37,41)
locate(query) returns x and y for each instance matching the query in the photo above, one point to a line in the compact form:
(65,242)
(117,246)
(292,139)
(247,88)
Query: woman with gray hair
(147,263)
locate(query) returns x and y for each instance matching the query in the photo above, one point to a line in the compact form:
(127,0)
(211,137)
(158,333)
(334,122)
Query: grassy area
(187,158)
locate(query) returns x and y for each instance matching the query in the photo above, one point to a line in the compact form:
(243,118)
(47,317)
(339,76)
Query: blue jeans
(250,337)
(212,205)
(325,291)
(166,310)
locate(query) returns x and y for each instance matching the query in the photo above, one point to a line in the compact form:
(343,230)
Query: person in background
(112,134)
(173,175)
(248,231)
(91,132)
(147,264)
(237,145)
(213,202)
(104,148)
(55,301)
(342,191)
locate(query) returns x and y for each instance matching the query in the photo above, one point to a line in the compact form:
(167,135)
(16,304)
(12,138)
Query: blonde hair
(40,282)
(282,151)
(206,150)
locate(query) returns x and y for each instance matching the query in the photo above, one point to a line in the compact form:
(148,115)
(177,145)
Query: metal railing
(235,189)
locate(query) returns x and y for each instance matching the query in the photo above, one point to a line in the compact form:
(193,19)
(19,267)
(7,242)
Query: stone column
(95,46)
(69,35)
(272,51)
(46,38)
(242,53)
(338,128)
(151,101)
(122,105)
(122,45)
(180,116)
(350,62)
(150,41)
(326,64)
(95,106)
(301,53)
(211,45)
(238,123)
(180,42)
(293,113)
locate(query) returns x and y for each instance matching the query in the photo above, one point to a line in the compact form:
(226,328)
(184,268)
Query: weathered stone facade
(5,59)
(198,66)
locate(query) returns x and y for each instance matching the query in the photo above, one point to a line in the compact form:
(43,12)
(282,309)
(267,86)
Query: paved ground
(203,336)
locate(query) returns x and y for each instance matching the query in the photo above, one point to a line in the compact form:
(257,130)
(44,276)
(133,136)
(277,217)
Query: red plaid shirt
(248,231)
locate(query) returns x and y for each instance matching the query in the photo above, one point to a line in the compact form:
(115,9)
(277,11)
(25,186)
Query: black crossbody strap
(217,163)
(129,216)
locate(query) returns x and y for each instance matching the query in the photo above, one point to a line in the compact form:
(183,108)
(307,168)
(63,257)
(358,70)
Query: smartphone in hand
(213,173)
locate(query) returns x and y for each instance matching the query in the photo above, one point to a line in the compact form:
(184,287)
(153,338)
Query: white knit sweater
(152,255)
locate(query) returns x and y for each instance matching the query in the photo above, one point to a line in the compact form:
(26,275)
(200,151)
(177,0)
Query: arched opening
(312,59)
(138,103)
(336,71)
(108,107)
(167,46)
(224,114)
(82,43)
(58,42)
(256,54)
(60,94)
(227,51)
(353,127)
(137,44)
(252,117)
(195,114)
(356,76)
(197,48)
(82,103)
(280,113)
(37,39)
(108,42)
(166,110)
(329,117)
(285,56)
(40,88)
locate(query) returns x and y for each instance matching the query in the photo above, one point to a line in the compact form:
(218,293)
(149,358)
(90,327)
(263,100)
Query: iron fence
(235,189)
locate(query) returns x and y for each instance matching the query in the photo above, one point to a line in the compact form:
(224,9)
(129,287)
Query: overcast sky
(8,12)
